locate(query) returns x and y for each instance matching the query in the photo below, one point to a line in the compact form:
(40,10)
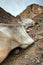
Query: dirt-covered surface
(33,55)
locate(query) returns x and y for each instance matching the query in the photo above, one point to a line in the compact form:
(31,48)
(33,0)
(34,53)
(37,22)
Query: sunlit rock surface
(33,55)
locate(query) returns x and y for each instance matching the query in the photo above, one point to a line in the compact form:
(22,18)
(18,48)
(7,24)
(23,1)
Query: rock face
(33,55)
(31,11)
(12,35)
(5,17)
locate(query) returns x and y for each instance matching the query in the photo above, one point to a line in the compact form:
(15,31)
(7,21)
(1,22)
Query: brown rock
(40,44)
(29,56)
(5,17)
(31,11)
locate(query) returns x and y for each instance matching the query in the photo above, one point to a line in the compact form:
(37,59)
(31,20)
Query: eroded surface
(33,55)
